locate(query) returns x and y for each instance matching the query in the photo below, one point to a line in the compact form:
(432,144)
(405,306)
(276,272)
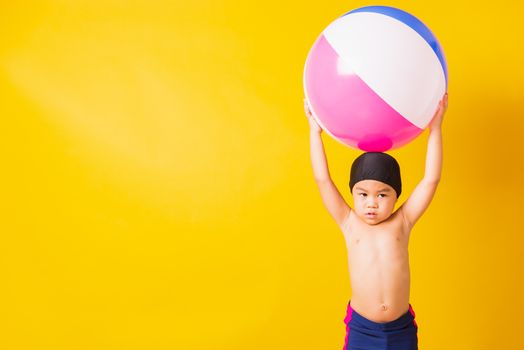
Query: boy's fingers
(445,101)
(306,107)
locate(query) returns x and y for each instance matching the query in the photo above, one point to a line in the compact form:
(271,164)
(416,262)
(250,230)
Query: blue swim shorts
(364,334)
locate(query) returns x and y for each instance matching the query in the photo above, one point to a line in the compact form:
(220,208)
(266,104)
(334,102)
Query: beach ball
(374,78)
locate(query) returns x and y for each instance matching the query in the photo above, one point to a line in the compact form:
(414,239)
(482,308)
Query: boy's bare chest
(390,235)
(378,261)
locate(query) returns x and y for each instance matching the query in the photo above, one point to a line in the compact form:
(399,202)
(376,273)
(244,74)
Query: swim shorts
(364,334)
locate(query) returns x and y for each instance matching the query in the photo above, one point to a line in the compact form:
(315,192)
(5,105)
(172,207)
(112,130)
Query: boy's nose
(372,204)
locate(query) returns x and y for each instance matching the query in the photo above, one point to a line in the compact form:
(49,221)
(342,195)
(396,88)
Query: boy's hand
(436,122)
(312,122)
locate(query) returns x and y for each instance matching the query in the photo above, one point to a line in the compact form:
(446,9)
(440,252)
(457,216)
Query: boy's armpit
(345,221)
(333,200)
(418,202)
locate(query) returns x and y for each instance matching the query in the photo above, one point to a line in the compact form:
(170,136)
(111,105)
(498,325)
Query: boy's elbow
(320,179)
(432,182)
(434,179)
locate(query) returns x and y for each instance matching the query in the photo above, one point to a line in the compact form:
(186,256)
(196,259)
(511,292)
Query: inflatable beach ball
(374,78)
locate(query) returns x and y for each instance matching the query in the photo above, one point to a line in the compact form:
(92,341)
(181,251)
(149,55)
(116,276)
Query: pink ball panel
(345,105)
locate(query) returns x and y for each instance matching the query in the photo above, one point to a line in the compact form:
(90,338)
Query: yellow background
(156,190)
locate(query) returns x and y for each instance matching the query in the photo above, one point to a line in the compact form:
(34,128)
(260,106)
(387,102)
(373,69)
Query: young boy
(379,315)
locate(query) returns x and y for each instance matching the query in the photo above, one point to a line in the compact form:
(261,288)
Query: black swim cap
(376,166)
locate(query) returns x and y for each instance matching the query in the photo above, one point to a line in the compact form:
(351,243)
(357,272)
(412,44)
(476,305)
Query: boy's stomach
(380,293)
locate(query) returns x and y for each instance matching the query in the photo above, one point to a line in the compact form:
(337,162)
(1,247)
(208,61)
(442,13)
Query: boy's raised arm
(333,200)
(421,197)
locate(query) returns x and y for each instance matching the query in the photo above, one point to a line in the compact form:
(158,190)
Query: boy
(379,315)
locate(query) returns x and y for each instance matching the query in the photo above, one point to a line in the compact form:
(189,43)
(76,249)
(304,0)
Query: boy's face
(373,200)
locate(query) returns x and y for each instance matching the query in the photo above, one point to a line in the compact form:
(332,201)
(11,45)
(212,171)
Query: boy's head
(376,185)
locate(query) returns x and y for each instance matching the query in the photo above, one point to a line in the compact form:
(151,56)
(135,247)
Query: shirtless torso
(378,266)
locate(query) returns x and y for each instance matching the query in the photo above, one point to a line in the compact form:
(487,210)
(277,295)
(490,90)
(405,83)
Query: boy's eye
(362,194)
(382,195)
